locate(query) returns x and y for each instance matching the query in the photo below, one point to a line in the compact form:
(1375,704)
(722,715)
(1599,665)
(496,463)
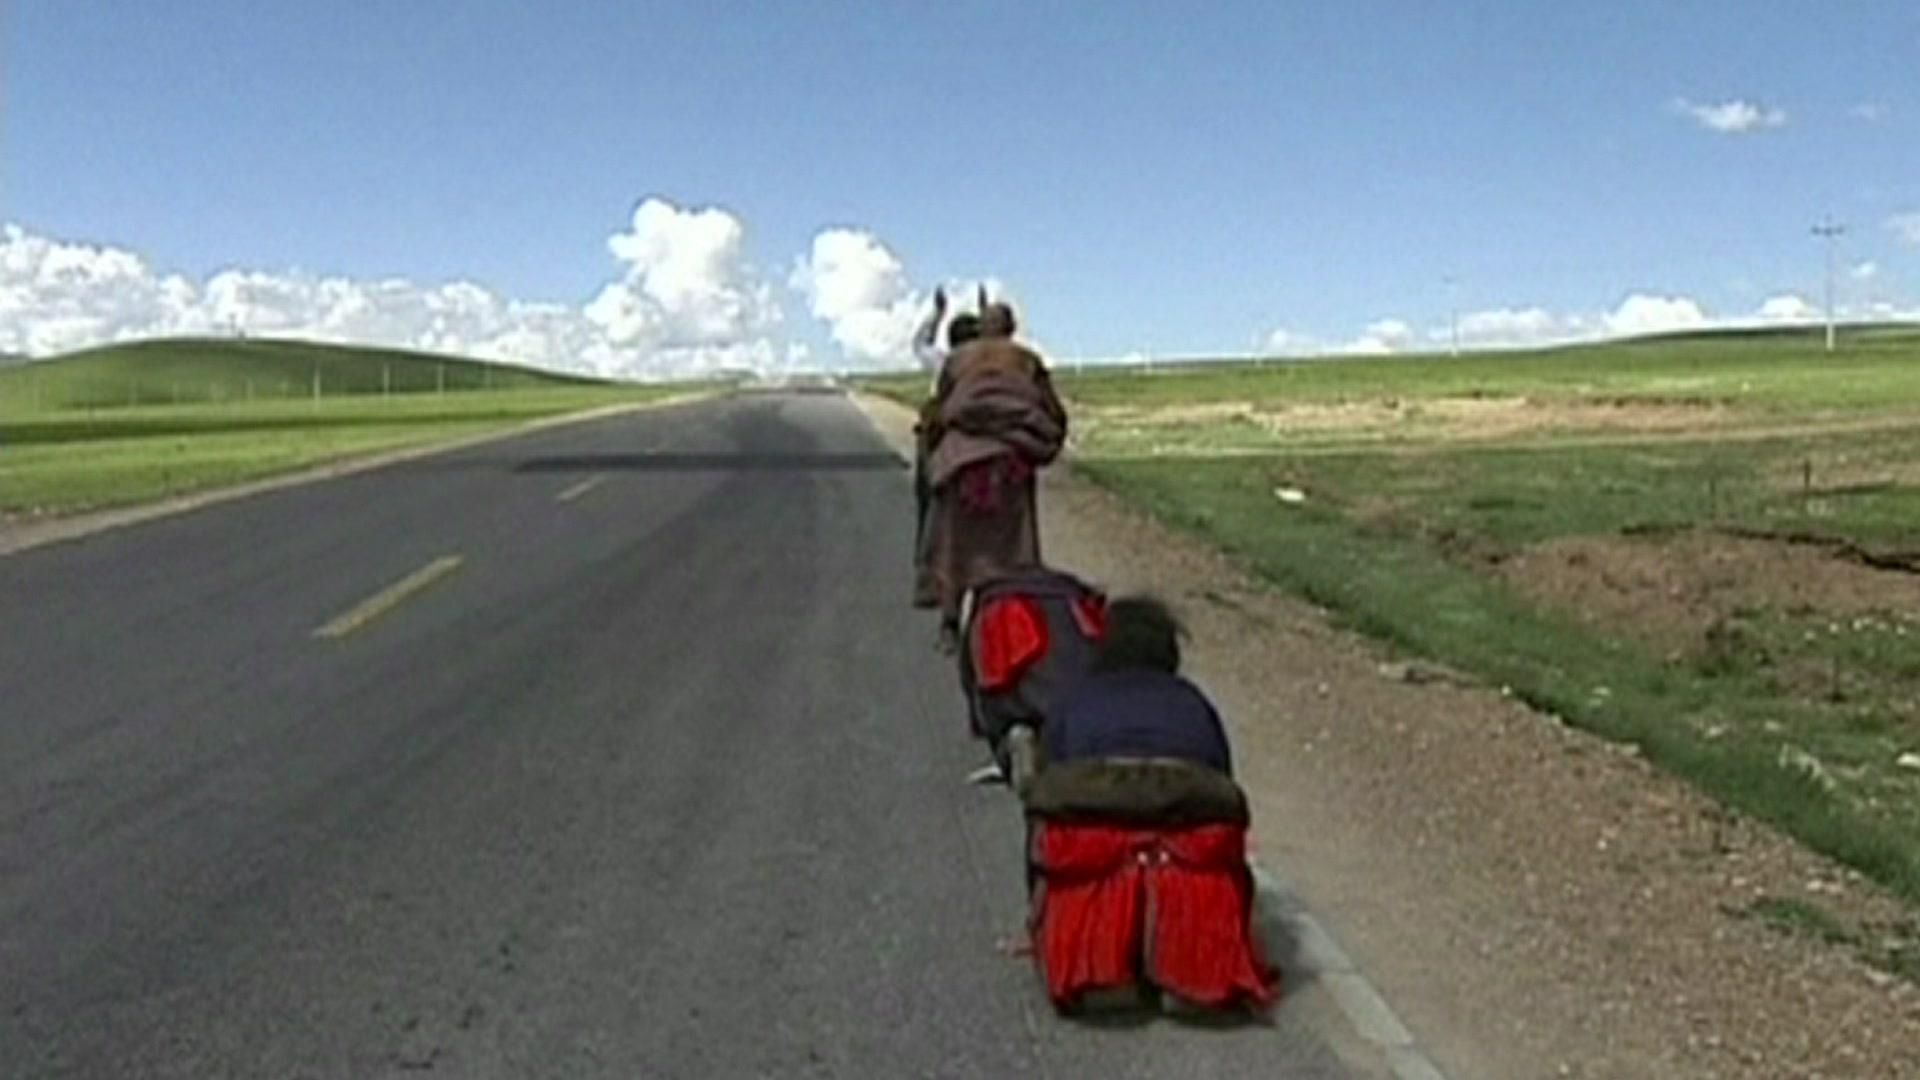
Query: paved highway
(606,751)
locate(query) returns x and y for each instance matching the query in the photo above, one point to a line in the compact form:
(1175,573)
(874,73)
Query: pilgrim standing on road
(994,420)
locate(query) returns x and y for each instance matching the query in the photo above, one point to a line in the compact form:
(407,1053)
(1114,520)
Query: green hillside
(1777,369)
(133,422)
(199,370)
(1876,367)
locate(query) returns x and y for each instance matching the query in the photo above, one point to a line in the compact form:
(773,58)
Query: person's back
(926,430)
(993,398)
(1138,714)
(1134,702)
(994,421)
(1029,641)
(982,356)
(1137,832)
(988,347)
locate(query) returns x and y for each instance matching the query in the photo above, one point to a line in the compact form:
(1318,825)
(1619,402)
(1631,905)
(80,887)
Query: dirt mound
(1461,417)
(1670,591)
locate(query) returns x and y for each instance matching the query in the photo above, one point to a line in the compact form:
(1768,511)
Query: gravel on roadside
(1533,901)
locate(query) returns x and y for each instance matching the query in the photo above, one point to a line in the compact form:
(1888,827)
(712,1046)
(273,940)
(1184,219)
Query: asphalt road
(653,774)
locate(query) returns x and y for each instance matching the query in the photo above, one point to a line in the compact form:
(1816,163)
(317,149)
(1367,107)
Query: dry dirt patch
(1534,902)
(1458,417)
(1671,591)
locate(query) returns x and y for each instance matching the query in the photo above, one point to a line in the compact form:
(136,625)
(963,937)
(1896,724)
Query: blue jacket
(1137,714)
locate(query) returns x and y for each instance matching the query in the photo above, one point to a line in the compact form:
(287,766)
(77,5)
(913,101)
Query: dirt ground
(1533,902)
(1511,421)
(1670,591)
(1439,417)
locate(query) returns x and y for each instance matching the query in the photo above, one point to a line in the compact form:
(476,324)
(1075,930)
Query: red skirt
(1115,905)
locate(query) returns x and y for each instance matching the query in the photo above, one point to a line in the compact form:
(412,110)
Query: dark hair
(1142,632)
(965,327)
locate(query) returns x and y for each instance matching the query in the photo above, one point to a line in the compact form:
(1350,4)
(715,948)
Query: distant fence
(30,388)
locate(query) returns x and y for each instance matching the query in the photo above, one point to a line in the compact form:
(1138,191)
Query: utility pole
(1453,313)
(1830,231)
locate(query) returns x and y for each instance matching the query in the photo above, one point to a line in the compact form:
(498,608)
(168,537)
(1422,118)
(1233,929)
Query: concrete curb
(24,536)
(1319,955)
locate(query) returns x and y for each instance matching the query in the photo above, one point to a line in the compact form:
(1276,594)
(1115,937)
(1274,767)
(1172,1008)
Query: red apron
(1117,903)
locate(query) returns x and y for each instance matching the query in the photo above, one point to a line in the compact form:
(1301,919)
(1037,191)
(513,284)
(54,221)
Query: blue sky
(1154,177)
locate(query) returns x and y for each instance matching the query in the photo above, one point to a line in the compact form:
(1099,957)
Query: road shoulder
(1533,901)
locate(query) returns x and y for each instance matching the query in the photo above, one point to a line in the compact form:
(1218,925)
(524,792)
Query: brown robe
(994,418)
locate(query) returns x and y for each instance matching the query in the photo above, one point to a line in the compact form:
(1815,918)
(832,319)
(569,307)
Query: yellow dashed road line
(579,489)
(388,598)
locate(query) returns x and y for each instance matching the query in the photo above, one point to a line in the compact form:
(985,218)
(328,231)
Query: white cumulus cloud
(1864,271)
(1789,308)
(687,300)
(1871,111)
(688,285)
(56,296)
(1509,327)
(1732,117)
(1285,342)
(1645,313)
(857,286)
(1638,314)
(1381,337)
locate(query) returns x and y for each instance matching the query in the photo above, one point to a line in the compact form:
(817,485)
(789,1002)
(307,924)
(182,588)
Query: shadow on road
(1135,1008)
(1273,923)
(708,462)
(1132,1007)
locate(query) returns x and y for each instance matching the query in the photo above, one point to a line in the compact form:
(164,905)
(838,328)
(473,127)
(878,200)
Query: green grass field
(179,371)
(1701,545)
(71,440)
(1788,372)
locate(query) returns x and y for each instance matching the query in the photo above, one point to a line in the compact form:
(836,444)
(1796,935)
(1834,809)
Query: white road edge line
(904,449)
(1364,1007)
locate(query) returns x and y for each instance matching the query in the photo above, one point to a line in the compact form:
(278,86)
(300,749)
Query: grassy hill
(1782,369)
(1776,369)
(189,370)
(133,422)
